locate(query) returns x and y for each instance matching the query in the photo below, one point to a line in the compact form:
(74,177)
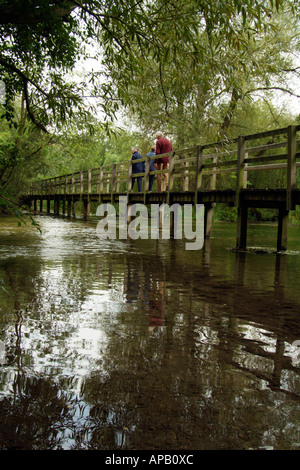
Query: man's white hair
(159,134)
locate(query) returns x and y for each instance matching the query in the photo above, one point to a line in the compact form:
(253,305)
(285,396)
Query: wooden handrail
(192,165)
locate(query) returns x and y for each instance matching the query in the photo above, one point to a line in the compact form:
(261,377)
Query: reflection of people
(163,145)
(156,299)
(152,166)
(138,167)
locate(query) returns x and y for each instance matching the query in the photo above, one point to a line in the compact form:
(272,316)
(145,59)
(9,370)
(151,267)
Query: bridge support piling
(172,224)
(74,209)
(69,209)
(241,237)
(130,215)
(282,230)
(208,213)
(56,206)
(86,209)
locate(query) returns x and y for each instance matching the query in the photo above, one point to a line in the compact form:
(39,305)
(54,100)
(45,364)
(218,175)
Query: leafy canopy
(41,41)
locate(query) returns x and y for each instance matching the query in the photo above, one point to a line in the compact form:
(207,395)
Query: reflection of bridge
(223,172)
(156,287)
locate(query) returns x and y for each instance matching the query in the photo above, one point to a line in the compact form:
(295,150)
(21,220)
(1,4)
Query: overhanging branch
(25,78)
(29,112)
(30,15)
(273,88)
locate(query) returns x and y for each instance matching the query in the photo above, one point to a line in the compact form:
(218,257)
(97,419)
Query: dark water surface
(144,345)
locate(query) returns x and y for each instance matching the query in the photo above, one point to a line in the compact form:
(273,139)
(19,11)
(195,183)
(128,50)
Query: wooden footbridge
(229,172)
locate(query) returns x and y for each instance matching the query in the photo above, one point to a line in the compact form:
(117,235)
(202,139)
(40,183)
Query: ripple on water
(143,345)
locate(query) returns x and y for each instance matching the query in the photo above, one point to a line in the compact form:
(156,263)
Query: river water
(123,344)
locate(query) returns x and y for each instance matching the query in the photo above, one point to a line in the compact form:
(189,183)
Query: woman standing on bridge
(138,167)
(163,146)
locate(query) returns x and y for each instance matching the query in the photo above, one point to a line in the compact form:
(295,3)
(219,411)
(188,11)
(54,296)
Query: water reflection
(143,345)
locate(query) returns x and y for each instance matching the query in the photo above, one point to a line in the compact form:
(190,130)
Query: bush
(222,212)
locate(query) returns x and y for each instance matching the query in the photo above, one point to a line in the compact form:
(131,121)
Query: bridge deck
(268,198)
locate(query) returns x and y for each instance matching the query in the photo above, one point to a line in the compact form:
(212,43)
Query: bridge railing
(234,164)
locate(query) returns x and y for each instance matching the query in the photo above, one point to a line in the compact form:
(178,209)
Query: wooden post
(48,205)
(208,209)
(118,182)
(107,182)
(147,175)
(240,167)
(113,182)
(186,176)
(66,185)
(171,177)
(172,224)
(86,208)
(245,181)
(113,178)
(147,178)
(213,177)
(64,196)
(129,179)
(81,185)
(98,183)
(291,165)
(73,186)
(59,194)
(208,213)
(69,210)
(282,231)
(101,180)
(56,205)
(129,215)
(198,178)
(74,209)
(241,237)
(89,188)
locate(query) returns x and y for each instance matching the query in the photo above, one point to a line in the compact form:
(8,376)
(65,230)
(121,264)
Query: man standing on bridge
(163,146)
(137,168)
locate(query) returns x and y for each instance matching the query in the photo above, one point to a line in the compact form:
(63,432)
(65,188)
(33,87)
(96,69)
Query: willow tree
(41,41)
(195,92)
